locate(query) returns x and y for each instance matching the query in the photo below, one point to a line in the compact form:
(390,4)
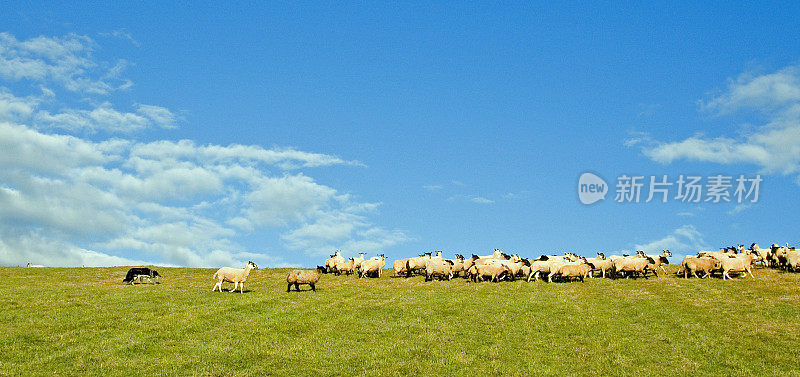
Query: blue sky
(216,134)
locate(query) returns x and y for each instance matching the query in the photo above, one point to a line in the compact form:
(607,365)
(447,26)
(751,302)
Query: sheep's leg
(241,287)
(751,273)
(297,286)
(219,284)
(312,287)
(235,284)
(289,287)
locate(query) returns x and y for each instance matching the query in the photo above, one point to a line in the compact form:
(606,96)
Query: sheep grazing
(579,269)
(417,263)
(346,267)
(297,277)
(458,264)
(541,265)
(693,265)
(237,276)
(330,264)
(793,260)
(632,265)
(601,264)
(34,266)
(779,254)
(443,269)
(491,271)
(400,266)
(468,263)
(373,266)
(357,261)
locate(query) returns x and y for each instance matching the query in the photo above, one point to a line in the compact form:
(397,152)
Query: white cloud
(480,200)
(65,60)
(768,91)
(740,208)
(682,241)
(67,200)
(106,118)
(432,187)
(774,146)
(13,108)
(24,248)
(122,34)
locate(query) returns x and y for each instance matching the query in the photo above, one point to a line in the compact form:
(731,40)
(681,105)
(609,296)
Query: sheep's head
(667,253)
(252,264)
(601,255)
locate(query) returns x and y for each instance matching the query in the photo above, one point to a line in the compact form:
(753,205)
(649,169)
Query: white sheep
(699,264)
(417,263)
(400,266)
(793,260)
(739,263)
(439,267)
(237,276)
(35,266)
(600,263)
(633,265)
(346,267)
(297,277)
(579,269)
(373,266)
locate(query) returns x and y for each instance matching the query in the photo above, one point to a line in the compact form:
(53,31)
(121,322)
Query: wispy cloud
(433,187)
(122,34)
(774,146)
(684,240)
(480,200)
(740,208)
(67,199)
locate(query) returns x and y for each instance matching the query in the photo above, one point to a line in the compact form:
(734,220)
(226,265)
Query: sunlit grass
(84,321)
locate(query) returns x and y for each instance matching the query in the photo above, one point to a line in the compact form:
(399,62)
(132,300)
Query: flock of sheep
(500,266)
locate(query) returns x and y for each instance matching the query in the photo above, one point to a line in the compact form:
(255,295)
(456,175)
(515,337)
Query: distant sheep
(632,266)
(35,266)
(297,277)
(237,276)
(346,267)
(373,266)
(740,263)
(439,267)
(400,266)
(693,265)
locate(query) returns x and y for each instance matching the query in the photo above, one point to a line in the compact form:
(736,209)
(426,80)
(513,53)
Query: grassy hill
(84,321)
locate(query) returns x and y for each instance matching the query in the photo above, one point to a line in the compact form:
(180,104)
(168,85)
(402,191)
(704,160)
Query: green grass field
(84,321)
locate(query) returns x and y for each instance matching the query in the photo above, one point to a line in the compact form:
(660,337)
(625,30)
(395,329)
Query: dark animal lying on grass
(140,273)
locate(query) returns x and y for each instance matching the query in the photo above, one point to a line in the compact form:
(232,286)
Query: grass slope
(84,321)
